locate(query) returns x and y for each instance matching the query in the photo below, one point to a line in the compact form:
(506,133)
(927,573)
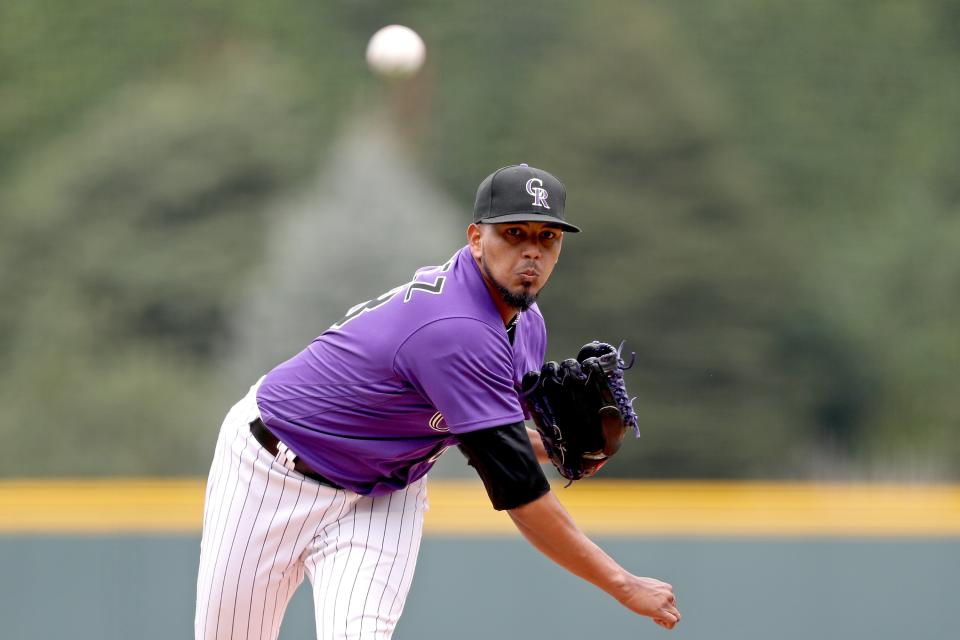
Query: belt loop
(285,456)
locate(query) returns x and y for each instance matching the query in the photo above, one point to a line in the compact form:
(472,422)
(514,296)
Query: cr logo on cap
(539,193)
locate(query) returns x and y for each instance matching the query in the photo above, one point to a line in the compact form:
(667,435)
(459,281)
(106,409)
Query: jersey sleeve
(507,465)
(464,368)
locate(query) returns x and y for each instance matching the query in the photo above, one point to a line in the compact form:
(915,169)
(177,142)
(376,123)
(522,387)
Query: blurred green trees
(768,191)
(123,242)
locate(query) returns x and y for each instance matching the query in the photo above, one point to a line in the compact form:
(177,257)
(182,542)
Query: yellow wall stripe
(601,507)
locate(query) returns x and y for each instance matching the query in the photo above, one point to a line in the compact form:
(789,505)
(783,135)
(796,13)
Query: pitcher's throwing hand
(652,598)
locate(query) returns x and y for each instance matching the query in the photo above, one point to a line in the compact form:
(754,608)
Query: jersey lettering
(364,307)
(436,288)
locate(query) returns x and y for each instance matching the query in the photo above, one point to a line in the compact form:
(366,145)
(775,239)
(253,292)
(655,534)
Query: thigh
(361,564)
(258,519)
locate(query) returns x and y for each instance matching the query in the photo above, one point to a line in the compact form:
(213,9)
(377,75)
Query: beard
(520,301)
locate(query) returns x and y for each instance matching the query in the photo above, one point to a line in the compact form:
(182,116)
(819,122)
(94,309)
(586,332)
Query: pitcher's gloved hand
(581,409)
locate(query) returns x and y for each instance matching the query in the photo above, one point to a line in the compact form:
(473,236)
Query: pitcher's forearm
(548,527)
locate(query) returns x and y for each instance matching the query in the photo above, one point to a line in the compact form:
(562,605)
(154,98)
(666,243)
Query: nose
(531,250)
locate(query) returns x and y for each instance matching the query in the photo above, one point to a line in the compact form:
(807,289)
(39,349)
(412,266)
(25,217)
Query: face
(516,258)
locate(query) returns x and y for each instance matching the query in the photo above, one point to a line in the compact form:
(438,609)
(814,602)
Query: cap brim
(532,217)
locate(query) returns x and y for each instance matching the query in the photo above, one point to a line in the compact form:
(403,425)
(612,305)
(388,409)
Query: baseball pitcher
(320,471)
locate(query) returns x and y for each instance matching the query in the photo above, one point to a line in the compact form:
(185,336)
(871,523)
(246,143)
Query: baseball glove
(581,408)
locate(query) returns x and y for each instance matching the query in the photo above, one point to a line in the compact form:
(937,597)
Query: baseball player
(320,471)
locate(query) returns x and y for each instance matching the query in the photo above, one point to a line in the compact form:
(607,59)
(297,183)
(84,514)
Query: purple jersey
(373,401)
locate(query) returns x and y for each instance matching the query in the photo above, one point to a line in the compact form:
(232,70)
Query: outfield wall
(117,559)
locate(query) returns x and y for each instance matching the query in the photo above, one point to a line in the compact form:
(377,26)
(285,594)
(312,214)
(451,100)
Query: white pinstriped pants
(265,526)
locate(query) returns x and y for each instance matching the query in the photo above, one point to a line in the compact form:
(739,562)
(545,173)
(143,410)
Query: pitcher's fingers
(670,613)
(665,624)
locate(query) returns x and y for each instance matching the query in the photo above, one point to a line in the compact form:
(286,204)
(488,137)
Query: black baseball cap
(521,193)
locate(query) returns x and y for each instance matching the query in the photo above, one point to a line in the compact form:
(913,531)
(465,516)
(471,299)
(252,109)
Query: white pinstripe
(265,527)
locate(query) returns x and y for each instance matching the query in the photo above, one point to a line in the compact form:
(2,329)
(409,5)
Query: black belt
(271,443)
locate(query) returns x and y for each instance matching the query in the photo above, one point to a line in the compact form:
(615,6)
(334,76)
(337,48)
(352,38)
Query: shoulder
(457,348)
(450,297)
(458,333)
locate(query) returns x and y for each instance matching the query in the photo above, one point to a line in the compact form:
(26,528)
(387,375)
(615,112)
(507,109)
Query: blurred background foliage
(769,192)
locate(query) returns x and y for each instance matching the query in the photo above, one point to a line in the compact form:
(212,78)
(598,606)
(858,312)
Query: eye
(549,235)
(513,231)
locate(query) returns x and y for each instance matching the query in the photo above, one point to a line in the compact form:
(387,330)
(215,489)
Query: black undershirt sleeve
(504,458)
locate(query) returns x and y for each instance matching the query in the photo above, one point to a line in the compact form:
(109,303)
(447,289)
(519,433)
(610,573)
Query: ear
(474,235)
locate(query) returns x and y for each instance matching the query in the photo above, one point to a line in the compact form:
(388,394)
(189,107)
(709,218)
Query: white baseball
(396,51)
